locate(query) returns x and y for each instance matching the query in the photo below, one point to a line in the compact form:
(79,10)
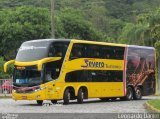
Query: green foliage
(71,24)
(155,103)
(115,27)
(2,74)
(135,34)
(21,24)
(146,31)
(124,21)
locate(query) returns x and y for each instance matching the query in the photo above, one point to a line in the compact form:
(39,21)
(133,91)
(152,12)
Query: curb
(152,108)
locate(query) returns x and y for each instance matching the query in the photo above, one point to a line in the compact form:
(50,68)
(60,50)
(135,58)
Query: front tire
(80,97)
(39,102)
(138,94)
(67,96)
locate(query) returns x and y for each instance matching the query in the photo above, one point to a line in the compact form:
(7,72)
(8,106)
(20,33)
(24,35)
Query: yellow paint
(97,43)
(55,89)
(39,95)
(38,62)
(8,63)
(109,64)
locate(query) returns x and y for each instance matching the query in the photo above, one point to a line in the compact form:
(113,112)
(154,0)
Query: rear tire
(138,94)
(129,94)
(39,102)
(80,97)
(66,96)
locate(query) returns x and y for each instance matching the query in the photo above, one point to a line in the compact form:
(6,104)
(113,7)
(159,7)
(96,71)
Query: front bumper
(39,95)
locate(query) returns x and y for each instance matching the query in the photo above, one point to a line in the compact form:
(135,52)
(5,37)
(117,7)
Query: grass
(155,103)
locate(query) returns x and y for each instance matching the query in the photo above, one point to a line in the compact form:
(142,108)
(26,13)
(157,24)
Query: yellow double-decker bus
(55,69)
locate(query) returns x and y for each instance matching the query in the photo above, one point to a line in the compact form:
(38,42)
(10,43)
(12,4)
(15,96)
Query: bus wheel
(66,97)
(129,94)
(54,101)
(39,102)
(80,96)
(138,94)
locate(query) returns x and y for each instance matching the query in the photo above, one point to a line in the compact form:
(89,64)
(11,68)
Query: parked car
(7,87)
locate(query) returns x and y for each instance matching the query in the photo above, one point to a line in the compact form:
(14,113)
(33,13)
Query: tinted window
(57,49)
(97,51)
(52,70)
(78,51)
(31,51)
(94,76)
(94,51)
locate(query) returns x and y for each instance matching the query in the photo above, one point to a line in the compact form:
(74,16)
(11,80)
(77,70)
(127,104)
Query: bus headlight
(40,88)
(13,91)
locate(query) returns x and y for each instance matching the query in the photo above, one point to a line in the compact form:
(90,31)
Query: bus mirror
(40,66)
(7,63)
(45,60)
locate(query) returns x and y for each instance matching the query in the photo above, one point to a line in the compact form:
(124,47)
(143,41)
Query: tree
(70,23)
(21,24)
(145,31)
(2,74)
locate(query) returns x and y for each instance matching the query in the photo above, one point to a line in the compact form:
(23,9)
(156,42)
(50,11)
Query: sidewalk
(5,95)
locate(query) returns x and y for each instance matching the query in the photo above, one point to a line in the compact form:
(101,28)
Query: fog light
(13,91)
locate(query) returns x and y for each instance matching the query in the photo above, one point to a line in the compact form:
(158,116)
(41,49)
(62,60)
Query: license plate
(24,97)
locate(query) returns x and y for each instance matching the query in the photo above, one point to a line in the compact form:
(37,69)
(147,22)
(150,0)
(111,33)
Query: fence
(6,86)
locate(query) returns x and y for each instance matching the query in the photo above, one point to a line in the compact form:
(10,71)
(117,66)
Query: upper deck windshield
(36,50)
(31,51)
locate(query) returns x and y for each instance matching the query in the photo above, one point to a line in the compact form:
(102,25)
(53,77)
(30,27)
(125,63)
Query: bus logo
(92,64)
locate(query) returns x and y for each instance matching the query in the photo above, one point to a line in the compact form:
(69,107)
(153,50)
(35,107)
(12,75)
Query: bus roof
(49,40)
(88,42)
(143,47)
(111,44)
(97,42)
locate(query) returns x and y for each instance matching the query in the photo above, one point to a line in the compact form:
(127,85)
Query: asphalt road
(89,106)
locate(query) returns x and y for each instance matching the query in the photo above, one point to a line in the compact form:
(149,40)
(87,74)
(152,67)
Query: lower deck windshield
(30,76)
(27,77)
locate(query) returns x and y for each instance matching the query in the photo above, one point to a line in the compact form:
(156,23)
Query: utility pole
(52,20)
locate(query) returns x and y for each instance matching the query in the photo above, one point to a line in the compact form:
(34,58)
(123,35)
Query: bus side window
(51,51)
(77,51)
(106,54)
(119,53)
(57,50)
(93,51)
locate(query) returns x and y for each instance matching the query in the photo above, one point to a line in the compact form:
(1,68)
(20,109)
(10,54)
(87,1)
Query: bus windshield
(31,51)
(34,50)
(27,78)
